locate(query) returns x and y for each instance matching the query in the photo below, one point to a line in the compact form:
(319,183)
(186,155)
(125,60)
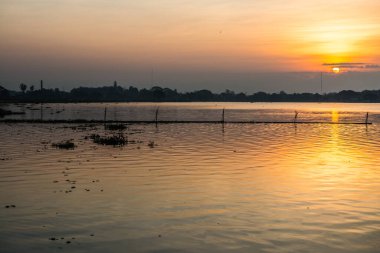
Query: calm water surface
(342,112)
(201,188)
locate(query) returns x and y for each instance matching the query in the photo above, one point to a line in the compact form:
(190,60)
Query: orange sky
(174,35)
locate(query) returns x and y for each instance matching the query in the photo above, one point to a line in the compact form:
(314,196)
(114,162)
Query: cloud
(372,66)
(353,65)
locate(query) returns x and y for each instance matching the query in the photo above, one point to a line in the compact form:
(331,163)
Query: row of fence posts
(223,116)
(296,116)
(156,118)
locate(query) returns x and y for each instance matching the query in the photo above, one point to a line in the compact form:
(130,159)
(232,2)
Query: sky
(242,45)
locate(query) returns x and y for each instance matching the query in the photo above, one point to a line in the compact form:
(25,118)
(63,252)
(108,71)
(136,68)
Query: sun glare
(336,70)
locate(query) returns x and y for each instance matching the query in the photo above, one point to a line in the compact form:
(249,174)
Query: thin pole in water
(157,115)
(105,115)
(42,112)
(295,116)
(366,119)
(223,116)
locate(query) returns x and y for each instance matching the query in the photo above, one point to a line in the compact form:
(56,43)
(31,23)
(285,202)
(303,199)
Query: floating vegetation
(114,127)
(6,112)
(33,108)
(83,127)
(64,145)
(114,140)
(151,144)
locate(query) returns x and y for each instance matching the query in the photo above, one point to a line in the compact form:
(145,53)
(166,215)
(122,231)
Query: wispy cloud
(372,66)
(353,65)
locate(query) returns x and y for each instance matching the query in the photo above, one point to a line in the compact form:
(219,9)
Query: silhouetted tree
(4,93)
(228,95)
(156,93)
(369,96)
(23,87)
(201,95)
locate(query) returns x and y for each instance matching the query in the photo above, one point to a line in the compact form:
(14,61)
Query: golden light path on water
(334,116)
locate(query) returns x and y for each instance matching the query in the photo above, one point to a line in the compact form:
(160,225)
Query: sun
(336,70)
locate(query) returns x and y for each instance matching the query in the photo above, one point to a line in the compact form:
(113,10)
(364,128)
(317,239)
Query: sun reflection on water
(335,116)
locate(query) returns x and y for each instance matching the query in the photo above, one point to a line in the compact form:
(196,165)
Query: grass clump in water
(114,127)
(151,144)
(114,140)
(64,145)
(6,112)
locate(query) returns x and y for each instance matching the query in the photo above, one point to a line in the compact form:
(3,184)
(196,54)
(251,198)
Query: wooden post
(366,119)
(223,116)
(157,115)
(295,116)
(42,112)
(105,115)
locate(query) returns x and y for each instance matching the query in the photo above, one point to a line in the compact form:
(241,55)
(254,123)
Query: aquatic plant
(4,112)
(64,145)
(7,112)
(114,127)
(151,144)
(114,140)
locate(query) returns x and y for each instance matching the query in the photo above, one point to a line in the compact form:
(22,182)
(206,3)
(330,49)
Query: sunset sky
(243,45)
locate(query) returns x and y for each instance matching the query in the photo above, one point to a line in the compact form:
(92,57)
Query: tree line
(117,93)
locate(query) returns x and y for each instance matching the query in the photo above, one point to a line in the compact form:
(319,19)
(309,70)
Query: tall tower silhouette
(321,83)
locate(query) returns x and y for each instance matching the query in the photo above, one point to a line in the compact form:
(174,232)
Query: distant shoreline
(156,94)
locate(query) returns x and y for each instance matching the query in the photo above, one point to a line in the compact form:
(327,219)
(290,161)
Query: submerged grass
(114,140)
(151,144)
(64,145)
(115,127)
(6,112)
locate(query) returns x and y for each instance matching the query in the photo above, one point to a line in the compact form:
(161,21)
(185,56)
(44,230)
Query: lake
(192,187)
(199,111)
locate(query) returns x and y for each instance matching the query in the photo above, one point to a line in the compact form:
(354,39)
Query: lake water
(342,112)
(199,188)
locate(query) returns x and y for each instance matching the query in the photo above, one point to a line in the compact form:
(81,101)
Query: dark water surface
(200,188)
